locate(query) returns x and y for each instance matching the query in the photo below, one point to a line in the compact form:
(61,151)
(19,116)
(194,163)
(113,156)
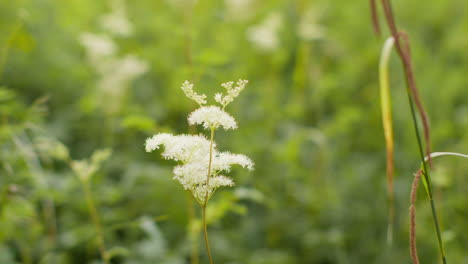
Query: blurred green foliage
(309,119)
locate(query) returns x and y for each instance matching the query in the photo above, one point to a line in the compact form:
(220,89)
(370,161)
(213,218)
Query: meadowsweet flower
(231,92)
(223,161)
(187,87)
(193,151)
(212,117)
(185,148)
(200,161)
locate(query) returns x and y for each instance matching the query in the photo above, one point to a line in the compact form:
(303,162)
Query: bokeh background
(78,76)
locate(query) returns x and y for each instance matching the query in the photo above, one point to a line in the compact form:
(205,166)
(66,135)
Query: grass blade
(387,122)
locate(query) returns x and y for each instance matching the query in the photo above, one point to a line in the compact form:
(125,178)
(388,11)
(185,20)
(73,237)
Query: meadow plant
(400,41)
(201,163)
(84,170)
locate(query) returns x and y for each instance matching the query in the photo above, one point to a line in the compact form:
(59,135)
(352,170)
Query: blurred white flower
(115,73)
(131,66)
(97,46)
(116,22)
(239,9)
(265,35)
(211,117)
(309,27)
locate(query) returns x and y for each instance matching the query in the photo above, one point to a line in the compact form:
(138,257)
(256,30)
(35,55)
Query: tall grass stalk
(403,49)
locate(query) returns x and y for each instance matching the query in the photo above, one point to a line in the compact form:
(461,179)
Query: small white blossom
(309,28)
(117,22)
(265,35)
(97,46)
(231,92)
(187,87)
(212,117)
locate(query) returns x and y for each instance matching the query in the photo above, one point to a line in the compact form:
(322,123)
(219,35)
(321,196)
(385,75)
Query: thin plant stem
(95,219)
(205,232)
(192,233)
(427,179)
(208,176)
(413,97)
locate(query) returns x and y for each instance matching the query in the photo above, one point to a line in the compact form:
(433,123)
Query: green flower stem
(192,233)
(205,228)
(96,220)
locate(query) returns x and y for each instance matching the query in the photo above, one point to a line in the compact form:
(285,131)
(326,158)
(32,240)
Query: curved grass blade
(387,122)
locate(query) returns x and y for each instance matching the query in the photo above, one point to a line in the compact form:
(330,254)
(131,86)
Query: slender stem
(208,176)
(405,56)
(205,231)
(192,233)
(96,220)
(427,178)
(437,227)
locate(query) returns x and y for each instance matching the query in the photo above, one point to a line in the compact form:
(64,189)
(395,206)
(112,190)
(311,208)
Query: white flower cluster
(187,87)
(211,117)
(201,163)
(115,73)
(193,151)
(232,92)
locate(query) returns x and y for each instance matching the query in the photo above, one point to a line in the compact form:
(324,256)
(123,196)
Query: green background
(309,118)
